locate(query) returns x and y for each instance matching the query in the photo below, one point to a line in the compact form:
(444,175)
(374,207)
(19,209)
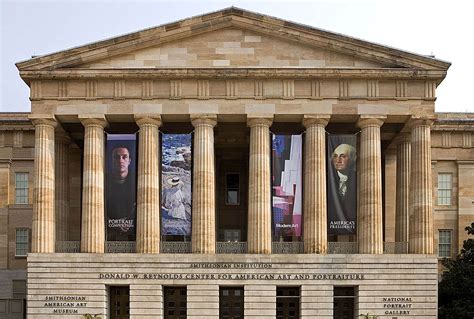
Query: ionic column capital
(151,119)
(259,120)
(366,120)
(316,119)
(93,120)
(204,119)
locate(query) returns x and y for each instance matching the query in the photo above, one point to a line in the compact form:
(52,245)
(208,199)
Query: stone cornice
(237,73)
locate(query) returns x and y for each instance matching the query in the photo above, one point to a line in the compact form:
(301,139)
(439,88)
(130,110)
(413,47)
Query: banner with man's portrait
(342,184)
(176,184)
(121,187)
(287,185)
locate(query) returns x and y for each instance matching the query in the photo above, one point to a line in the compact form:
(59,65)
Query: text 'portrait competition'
(120,187)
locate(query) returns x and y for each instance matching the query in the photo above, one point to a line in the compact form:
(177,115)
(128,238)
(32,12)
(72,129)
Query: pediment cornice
(238,18)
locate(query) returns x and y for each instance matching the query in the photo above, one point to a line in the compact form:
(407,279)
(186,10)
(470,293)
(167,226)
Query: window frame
(168,298)
(445,244)
(22,199)
(445,193)
(228,302)
(17,242)
(227,203)
(285,299)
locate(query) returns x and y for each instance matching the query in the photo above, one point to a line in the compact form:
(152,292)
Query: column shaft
(148,189)
(315,206)
(403,190)
(93,231)
(203,210)
(369,228)
(259,213)
(421,202)
(62,186)
(43,227)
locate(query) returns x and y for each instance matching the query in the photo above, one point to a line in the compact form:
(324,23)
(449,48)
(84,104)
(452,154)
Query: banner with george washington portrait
(342,184)
(121,187)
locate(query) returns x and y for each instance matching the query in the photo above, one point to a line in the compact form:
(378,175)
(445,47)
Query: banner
(120,187)
(342,184)
(286,185)
(176,184)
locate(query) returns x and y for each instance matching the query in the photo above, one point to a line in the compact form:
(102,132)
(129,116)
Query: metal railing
(231,247)
(287,247)
(118,247)
(395,248)
(342,248)
(181,247)
(175,247)
(68,246)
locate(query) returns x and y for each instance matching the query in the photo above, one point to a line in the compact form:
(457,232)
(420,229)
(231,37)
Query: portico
(233,81)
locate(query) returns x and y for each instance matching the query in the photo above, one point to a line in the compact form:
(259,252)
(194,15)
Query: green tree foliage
(456,290)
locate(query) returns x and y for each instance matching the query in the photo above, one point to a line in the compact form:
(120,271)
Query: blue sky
(37,27)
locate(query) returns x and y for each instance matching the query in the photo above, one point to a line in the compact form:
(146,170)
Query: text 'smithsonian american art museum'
(232,165)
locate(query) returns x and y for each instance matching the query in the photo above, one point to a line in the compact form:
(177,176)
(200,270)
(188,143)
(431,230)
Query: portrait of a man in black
(121,195)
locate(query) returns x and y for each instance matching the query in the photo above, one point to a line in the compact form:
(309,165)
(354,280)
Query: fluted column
(369,224)
(203,211)
(148,189)
(93,228)
(61,164)
(315,205)
(403,188)
(43,227)
(259,214)
(421,202)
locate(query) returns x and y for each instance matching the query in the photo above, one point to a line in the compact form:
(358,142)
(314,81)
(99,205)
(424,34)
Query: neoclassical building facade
(236,81)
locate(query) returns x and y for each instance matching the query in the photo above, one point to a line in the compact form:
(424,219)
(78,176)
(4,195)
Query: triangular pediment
(232,38)
(233,48)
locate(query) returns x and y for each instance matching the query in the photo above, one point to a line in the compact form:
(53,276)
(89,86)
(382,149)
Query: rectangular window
(19,289)
(288,302)
(21,188)
(445,188)
(444,243)
(344,302)
(119,302)
(231,302)
(232,189)
(175,301)
(21,242)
